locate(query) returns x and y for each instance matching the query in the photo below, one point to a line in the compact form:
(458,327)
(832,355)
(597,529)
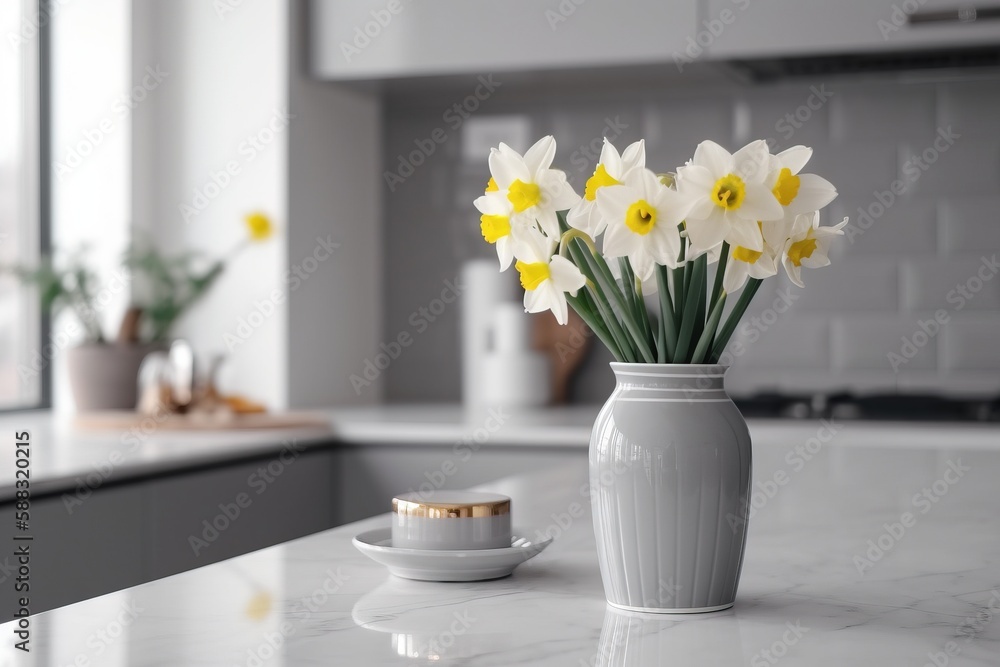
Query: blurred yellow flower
(260,226)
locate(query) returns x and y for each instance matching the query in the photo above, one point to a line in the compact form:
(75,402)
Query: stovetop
(885,407)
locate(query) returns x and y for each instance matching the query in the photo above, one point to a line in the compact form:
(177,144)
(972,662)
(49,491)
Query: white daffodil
(534,190)
(642,218)
(745,263)
(803,243)
(729,196)
(495,224)
(545,278)
(611,170)
(796,192)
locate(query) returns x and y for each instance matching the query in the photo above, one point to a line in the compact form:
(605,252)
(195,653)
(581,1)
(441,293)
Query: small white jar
(451,520)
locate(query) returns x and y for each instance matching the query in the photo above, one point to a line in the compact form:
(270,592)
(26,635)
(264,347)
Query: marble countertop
(858,554)
(62,456)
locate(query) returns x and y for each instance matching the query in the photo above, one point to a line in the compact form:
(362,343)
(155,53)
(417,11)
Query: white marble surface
(62,454)
(806,598)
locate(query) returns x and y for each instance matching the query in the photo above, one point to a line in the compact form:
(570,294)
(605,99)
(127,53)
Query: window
(23,374)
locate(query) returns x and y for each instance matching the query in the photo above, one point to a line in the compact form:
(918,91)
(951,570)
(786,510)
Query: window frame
(38,162)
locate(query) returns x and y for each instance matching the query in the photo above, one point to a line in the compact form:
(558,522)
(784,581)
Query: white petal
(611,160)
(752,161)
(713,157)
(494,203)
(745,233)
(794,273)
(539,157)
(795,158)
(565,275)
(634,156)
(619,240)
(506,168)
(672,206)
(557,193)
(505,252)
(614,200)
(815,192)
(530,246)
(559,308)
(759,204)
(548,221)
(735,276)
(707,233)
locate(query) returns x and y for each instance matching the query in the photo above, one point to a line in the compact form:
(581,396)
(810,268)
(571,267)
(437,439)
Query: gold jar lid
(451,505)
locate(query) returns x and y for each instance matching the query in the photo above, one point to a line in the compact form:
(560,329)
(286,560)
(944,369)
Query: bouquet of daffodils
(635,233)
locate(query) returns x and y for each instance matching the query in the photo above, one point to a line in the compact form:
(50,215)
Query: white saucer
(452,565)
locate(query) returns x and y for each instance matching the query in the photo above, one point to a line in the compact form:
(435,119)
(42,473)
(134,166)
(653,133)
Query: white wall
(226,82)
(91,143)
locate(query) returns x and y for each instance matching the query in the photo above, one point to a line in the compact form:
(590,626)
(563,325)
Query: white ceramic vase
(670,469)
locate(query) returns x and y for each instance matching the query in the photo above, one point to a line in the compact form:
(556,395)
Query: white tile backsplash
(849,317)
(956,284)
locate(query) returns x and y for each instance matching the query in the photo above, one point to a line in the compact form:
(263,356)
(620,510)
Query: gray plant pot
(670,488)
(103,376)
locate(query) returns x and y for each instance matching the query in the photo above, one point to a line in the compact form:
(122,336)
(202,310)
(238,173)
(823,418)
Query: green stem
(640,304)
(639,337)
(697,270)
(722,339)
(581,304)
(720,272)
(705,342)
(579,253)
(667,314)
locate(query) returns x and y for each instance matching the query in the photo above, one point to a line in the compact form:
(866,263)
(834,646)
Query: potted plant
(103,371)
(670,453)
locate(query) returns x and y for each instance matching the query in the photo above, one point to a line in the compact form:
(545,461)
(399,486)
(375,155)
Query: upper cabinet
(788,28)
(380,39)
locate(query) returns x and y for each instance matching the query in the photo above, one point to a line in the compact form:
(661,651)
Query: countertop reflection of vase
(104,376)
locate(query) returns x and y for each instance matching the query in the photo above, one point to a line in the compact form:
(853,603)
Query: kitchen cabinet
(734,29)
(127,534)
(77,551)
(383,39)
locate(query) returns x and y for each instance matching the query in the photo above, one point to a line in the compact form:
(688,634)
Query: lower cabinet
(131,533)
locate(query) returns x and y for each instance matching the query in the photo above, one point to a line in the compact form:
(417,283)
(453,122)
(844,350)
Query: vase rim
(667,368)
